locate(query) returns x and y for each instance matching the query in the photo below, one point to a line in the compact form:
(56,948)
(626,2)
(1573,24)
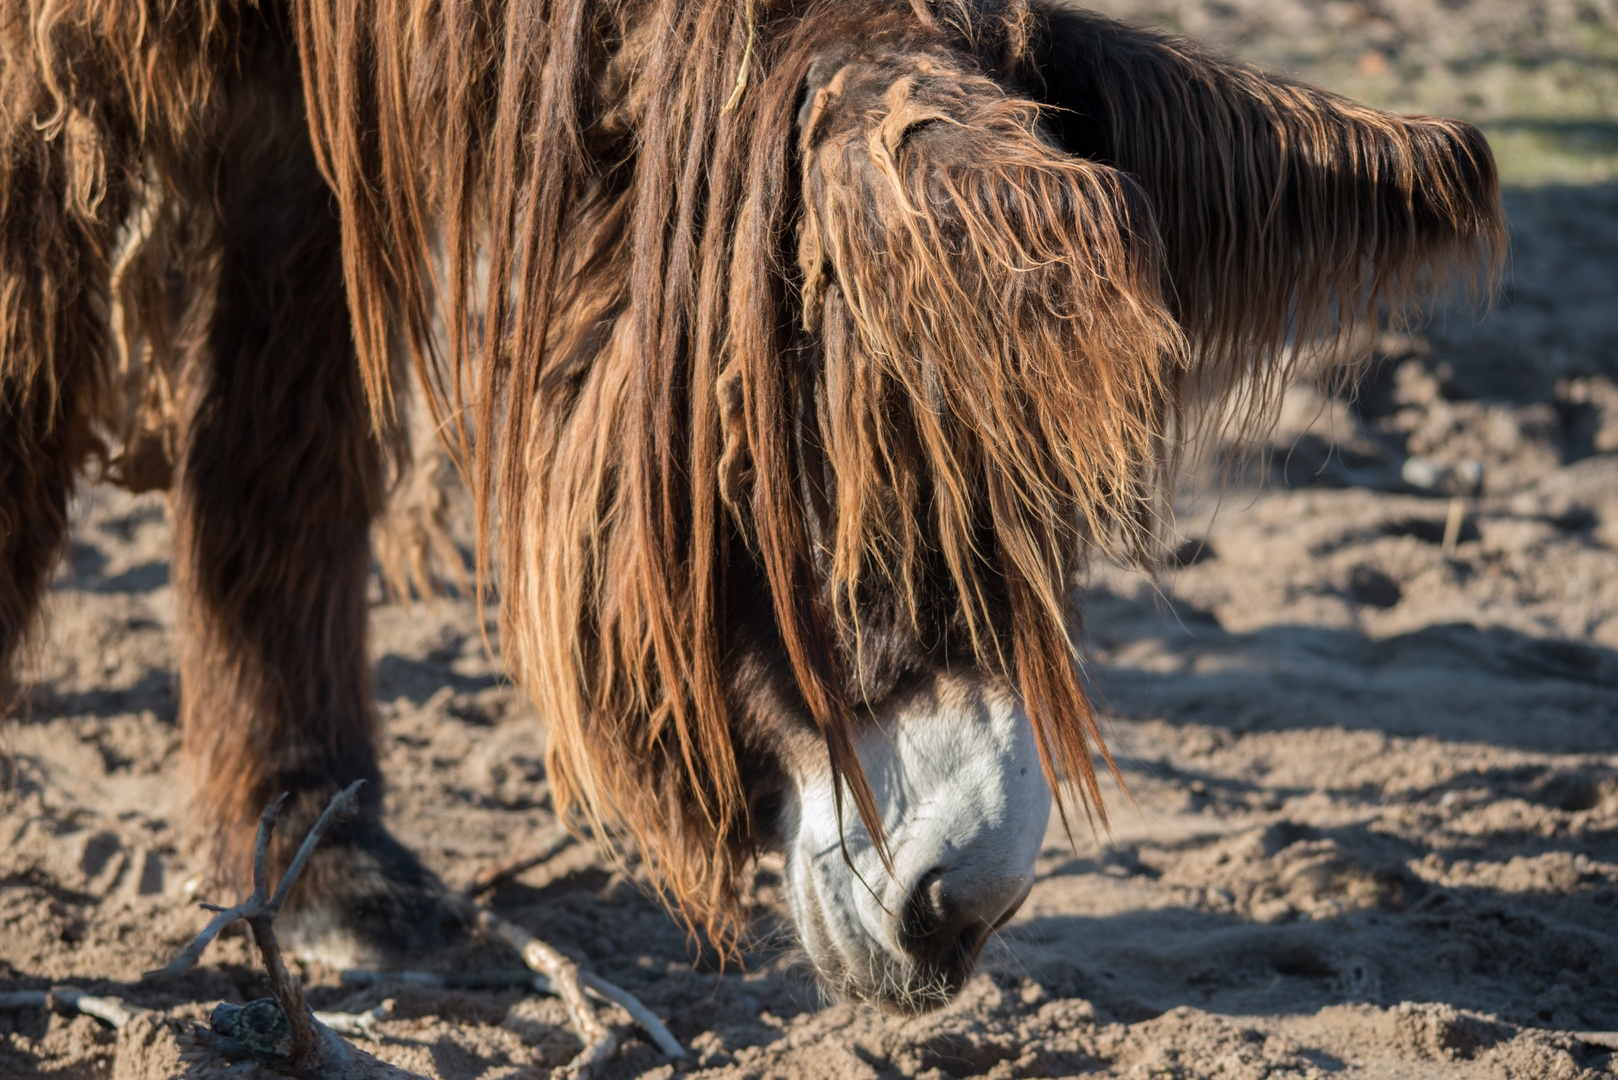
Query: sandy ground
(1374,818)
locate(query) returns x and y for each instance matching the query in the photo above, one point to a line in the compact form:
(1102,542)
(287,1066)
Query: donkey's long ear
(1288,214)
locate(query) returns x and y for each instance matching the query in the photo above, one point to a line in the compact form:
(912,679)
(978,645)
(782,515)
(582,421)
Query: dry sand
(1374,827)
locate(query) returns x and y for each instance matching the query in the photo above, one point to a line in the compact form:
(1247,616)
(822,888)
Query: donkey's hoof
(364,901)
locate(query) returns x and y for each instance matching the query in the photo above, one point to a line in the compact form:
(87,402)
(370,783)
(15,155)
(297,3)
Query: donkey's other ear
(1289,214)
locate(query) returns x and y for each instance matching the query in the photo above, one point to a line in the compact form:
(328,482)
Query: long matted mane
(668,325)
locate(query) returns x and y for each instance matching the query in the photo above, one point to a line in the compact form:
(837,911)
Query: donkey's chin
(955,770)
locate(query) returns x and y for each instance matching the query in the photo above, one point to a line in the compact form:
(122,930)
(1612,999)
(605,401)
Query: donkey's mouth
(930,972)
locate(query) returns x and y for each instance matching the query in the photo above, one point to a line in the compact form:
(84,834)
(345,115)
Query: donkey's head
(984,361)
(822,344)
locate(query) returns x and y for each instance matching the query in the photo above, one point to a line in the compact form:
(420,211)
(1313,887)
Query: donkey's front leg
(278,480)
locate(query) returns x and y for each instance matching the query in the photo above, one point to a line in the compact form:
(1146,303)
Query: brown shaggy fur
(172,194)
(883,314)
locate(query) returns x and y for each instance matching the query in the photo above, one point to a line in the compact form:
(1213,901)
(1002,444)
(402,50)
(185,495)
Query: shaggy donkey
(798,354)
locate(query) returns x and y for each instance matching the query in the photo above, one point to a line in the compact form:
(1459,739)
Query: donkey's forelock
(996,356)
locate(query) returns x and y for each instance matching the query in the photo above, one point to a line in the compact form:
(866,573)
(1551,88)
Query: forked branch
(282,1034)
(279,1033)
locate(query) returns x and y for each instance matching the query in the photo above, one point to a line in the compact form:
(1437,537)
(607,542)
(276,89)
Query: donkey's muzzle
(945,924)
(956,772)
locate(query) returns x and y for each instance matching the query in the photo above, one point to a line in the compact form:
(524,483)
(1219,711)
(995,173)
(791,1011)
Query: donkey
(798,356)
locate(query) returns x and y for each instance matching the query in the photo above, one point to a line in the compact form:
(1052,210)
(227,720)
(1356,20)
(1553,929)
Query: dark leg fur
(53,284)
(278,479)
(277,483)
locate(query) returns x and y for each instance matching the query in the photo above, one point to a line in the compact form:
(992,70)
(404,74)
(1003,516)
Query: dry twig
(594,985)
(360,1023)
(599,1041)
(112,1010)
(544,959)
(643,1016)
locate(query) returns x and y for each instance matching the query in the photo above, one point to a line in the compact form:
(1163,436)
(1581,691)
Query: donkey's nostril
(927,911)
(940,926)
